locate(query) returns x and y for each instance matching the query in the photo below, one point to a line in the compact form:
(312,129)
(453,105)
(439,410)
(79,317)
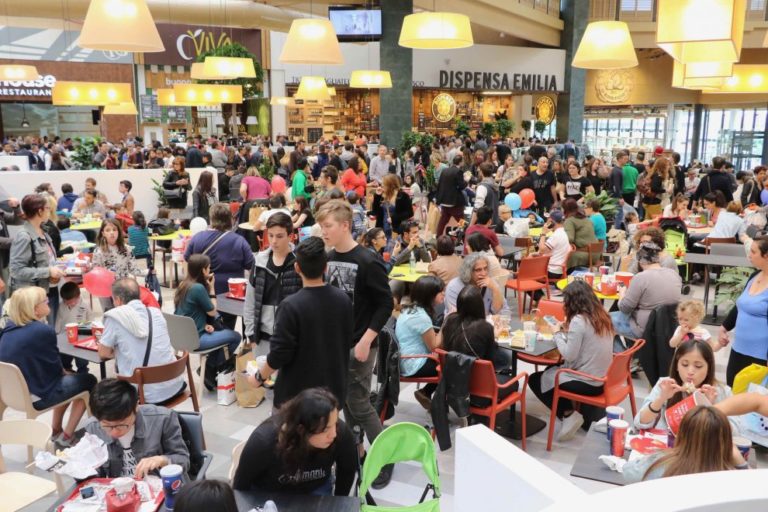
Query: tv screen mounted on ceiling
(353,23)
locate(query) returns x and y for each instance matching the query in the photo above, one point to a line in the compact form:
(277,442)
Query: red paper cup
(674,415)
(589,277)
(604,269)
(608,288)
(71,332)
(237,286)
(624,277)
(97,329)
(387,256)
(618,436)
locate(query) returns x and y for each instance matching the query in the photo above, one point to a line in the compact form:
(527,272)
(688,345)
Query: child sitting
(138,238)
(72,310)
(690,313)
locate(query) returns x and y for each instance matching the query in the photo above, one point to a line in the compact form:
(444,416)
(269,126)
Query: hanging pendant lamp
(24,121)
(312,88)
(126,108)
(700,75)
(605,45)
(208,93)
(197,72)
(90,93)
(120,25)
(227,68)
(746,79)
(311,41)
(282,101)
(370,79)
(18,73)
(701,30)
(436,31)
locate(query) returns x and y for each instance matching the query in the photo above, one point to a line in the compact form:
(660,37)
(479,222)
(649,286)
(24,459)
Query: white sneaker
(569,426)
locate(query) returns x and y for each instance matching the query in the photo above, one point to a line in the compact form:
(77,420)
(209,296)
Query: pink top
(351,180)
(258,187)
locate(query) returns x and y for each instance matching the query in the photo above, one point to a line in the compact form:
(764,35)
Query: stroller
(676,243)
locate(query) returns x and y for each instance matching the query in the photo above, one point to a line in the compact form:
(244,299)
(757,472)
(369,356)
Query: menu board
(149,107)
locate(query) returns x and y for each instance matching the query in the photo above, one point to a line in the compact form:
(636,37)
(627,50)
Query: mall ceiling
(501,22)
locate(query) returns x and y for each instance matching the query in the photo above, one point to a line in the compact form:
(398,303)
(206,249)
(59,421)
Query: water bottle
(269,506)
(412,262)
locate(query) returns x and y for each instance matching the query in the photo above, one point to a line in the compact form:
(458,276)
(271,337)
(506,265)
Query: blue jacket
(33,349)
(67,201)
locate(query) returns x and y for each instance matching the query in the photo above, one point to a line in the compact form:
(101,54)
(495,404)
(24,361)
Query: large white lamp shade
(120,25)
(311,41)
(436,31)
(605,45)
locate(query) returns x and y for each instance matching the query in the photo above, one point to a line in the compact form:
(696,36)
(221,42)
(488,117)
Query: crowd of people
(335,221)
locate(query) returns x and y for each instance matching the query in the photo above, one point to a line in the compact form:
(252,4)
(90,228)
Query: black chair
(192,433)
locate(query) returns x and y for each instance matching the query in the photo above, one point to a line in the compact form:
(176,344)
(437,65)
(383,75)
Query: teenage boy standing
(357,272)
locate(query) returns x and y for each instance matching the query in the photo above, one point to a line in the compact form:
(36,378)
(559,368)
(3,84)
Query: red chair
(531,276)
(545,308)
(617,384)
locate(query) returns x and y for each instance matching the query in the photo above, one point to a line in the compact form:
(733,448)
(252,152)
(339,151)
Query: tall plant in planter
(461,128)
(488,129)
(157,186)
(251,86)
(539,128)
(504,127)
(526,125)
(83,155)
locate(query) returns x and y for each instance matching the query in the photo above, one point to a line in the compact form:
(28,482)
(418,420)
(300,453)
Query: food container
(237,286)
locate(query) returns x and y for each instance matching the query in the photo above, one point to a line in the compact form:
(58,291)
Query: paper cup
(171,476)
(613,412)
(529,325)
(589,277)
(387,256)
(618,436)
(604,269)
(97,328)
(744,445)
(624,277)
(237,286)
(674,415)
(607,288)
(530,340)
(71,332)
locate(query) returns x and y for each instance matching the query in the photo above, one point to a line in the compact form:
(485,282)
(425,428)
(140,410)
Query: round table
(85,226)
(704,230)
(247,226)
(171,236)
(533,232)
(78,246)
(403,273)
(562,283)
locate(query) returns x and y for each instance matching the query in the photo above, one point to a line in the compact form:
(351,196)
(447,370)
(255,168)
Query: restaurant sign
(184,43)
(497,81)
(31,88)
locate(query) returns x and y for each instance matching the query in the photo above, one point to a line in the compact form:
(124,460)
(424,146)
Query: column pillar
(396,103)
(698,115)
(765,140)
(570,104)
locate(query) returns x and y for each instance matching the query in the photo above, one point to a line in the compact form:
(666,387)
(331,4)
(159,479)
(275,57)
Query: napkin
(613,463)
(83,459)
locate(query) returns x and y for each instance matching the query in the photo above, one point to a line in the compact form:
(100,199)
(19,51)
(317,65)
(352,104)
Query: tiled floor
(225,427)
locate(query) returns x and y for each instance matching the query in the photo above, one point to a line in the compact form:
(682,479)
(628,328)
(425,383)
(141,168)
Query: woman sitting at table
(112,253)
(294,451)
(27,342)
(416,334)
(692,368)
(678,207)
(585,341)
(446,265)
(651,235)
(195,298)
(703,444)
(375,240)
(748,317)
(654,286)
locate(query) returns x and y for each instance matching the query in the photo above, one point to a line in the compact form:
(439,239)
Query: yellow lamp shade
(197,72)
(700,75)
(281,101)
(312,88)
(208,94)
(370,79)
(311,41)
(605,45)
(701,30)
(90,93)
(229,67)
(168,98)
(331,91)
(120,25)
(18,73)
(127,108)
(747,79)
(436,31)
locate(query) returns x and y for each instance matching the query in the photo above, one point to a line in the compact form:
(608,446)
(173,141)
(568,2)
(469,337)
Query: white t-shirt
(699,333)
(559,244)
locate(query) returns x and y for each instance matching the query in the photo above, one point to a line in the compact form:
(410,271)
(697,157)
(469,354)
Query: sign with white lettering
(184,43)
(33,88)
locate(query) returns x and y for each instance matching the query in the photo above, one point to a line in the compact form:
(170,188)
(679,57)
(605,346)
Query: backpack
(644,186)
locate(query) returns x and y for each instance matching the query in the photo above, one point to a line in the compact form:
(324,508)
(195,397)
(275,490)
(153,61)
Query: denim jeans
(226,337)
(358,410)
(69,386)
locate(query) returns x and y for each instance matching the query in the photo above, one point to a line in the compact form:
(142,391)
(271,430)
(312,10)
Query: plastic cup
(261,362)
(71,332)
(171,476)
(744,445)
(614,412)
(624,277)
(529,325)
(618,436)
(237,286)
(589,278)
(530,340)
(97,328)
(607,288)
(386,255)
(604,269)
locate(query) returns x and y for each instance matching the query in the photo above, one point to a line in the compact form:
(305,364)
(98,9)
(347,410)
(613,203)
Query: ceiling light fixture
(311,41)
(436,31)
(312,88)
(227,68)
(208,93)
(197,72)
(120,25)
(282,101)
(746,79)
(18,73)
(605,45)
(90,93)
(24,122)
(126,108)
(370,79)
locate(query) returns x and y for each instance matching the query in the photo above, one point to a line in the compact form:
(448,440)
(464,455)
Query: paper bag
(225,388)
(433,217)
(247,395)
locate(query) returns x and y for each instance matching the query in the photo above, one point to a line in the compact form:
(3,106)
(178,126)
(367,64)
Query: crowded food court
(348,255)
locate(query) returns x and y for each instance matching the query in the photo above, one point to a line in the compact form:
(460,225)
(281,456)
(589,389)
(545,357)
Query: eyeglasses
(110,428)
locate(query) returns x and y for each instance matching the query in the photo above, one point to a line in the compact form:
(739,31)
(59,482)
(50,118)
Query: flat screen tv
(355,23)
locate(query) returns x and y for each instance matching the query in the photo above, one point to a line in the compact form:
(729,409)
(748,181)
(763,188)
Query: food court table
(89,355)
(230,306)
(718,260)
(169,238)
(247,226)
(562,283)
(247,500)
(534,232)
(86,226)
(403,273)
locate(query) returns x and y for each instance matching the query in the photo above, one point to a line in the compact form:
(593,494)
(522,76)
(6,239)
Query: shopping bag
(433,217)
(754,373)
(246,394)
(225,388)
(755,423)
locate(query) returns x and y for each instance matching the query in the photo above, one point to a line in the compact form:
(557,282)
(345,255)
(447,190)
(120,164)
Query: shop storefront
(26,107)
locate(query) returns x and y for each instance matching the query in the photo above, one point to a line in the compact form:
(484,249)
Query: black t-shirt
(362,276)
(542,185)
(262,468)
(576,187)
(308,349)
(596,182)
(521,184)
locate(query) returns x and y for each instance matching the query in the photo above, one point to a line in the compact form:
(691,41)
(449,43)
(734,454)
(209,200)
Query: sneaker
(422,398)
(384,477)
(569,426)
(60,442)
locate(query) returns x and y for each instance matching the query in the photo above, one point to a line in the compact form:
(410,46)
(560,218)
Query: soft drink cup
(618,436)
(71,332)
(529,325)
(237,286)
(604,269)
(530,340)
(387,256)
(607,288)
(624,277)
(613,412)
(171,476)
(674,415)
(97,328)
(744,445)
(589,277)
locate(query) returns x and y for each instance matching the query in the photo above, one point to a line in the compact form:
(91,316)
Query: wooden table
(403,273)
(247,500)
(562,283)
(86,226)
(89,355)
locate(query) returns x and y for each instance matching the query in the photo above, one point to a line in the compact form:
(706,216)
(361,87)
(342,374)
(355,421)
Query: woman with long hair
(575,185)
(585,340)
(204,196)
(416,334)
(302,214)
(294,451)
(254,186)
(353,178)
(595,174)
(678,207)
(703,444)
(391,205)
(177,183)
(195,298)
(656,177)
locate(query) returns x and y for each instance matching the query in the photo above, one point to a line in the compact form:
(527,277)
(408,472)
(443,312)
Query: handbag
(173,193)
(162,227)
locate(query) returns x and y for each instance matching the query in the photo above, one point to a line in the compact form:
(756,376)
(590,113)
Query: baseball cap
(556,216)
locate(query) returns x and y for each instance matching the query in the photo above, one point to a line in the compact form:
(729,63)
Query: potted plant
(608,205)
(526,125)
(487,130)
(83,155)
(461,128)
(504,127)
(731,284)
(160,191)
(539,128)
